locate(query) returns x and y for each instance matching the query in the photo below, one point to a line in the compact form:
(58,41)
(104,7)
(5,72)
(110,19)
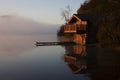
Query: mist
(16,25)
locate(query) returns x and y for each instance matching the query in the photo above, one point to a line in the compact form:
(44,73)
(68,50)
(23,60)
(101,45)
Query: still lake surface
(20,59)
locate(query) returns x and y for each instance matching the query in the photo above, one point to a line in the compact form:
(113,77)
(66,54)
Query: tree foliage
(60,32)
(109,23)
(66,13)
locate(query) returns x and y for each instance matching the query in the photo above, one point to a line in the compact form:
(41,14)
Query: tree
(60,32)
(109,26)
(66,13)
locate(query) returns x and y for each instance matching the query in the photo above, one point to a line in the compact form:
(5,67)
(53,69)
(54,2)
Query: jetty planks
(53,43)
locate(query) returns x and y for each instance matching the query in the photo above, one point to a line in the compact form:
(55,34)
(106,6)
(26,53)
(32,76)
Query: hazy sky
(47,11)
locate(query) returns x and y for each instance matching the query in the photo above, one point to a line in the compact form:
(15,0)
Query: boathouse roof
(82,16)
(87,17)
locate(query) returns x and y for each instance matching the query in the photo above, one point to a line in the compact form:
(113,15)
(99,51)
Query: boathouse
(80,25)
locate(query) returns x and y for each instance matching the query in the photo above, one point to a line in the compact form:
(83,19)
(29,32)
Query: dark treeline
(60,32)
(109,23)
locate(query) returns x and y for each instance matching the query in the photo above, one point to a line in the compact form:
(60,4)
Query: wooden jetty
(54,43)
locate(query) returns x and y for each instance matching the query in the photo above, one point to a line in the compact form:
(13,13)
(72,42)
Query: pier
(54,43)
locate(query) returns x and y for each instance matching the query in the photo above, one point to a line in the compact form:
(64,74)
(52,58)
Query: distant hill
(16,25)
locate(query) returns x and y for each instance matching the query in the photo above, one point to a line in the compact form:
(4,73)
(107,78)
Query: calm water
(20,59)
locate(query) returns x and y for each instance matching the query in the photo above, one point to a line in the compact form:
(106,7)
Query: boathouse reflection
(75,58)
(99,63)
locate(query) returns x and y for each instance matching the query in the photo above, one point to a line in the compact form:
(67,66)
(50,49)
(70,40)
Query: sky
(45,11)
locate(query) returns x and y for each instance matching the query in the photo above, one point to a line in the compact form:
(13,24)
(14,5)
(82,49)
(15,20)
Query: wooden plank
(53,43)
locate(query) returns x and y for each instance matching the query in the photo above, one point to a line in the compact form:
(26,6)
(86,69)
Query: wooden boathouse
(80,25)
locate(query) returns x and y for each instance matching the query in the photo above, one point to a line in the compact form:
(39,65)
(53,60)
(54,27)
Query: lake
(20,59)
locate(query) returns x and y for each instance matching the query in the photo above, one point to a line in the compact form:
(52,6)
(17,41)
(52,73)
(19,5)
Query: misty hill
(16,25)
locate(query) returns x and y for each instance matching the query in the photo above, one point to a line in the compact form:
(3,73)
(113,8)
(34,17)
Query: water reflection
(103,64)
(56,62)
(75,58)
(99,63)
